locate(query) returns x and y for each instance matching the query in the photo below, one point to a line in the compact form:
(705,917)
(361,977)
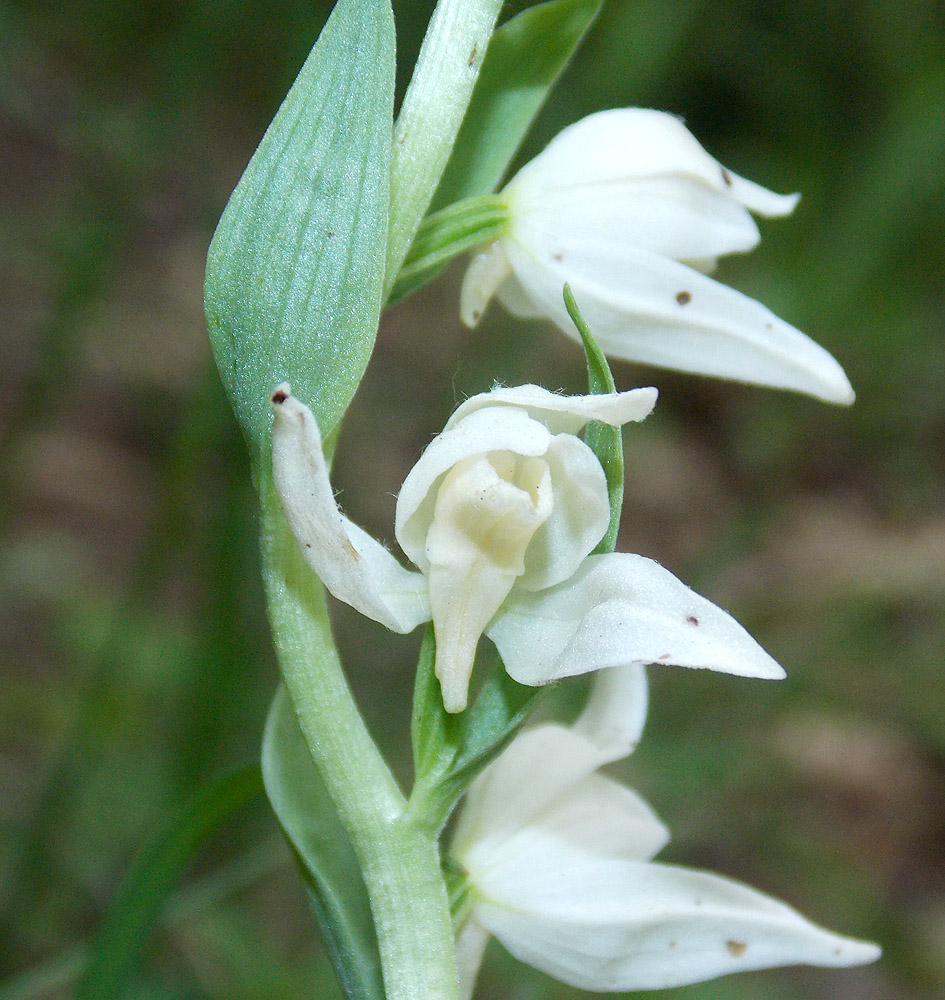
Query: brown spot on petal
(692,619)
(279,396)
(664,656)
(684,298)
(726,177)
(472,55)
(736,948)
(558,256)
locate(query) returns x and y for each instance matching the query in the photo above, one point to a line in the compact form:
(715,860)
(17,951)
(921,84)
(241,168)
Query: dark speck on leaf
(692,619)
(684,298)
(330,234)
(736,948)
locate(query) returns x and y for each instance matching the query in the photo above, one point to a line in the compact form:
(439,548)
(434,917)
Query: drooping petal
(621,608)
(615,713)
(471,944)
(354,567)
(645,307)
(488,508)
(487,270)
(563,414)
(605,924)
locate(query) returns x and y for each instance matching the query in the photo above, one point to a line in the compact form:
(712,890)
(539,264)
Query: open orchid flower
(558,859)
(500,515)
(632,212)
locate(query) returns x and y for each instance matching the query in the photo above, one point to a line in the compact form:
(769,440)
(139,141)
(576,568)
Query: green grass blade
(524,59)
(127,924)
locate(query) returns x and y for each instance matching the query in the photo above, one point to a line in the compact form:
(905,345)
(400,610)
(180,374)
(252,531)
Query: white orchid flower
(500,515)
(559,868)
(632,212)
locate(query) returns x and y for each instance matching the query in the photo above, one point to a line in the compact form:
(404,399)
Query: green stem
(400,862)
(431,113)
(446,234)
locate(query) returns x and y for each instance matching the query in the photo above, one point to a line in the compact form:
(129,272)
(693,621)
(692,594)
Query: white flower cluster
(501,516)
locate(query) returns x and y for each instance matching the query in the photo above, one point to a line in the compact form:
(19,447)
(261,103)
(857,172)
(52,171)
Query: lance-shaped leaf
(296,266)
(312,826)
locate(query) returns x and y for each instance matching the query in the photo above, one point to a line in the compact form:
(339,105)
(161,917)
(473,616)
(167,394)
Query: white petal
(595,817)
(353,566)
(615,713)
(759,199)
(579,516)
(487,270)
(617,609)
(627,145)
(674,216)
(496,429)
(647,308)
(612,925)
(622,144)
(536,768)
(488,508)
(563,414)
(471,944)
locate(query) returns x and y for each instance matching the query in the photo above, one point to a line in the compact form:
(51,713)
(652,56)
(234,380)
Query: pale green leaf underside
(322,846)
(525,57)
(296,266)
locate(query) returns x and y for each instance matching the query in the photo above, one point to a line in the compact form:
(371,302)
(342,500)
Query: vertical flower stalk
(400,862)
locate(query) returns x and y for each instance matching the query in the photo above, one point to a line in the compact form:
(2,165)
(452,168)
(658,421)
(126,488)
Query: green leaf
(323,849)
(524,58)
(296,266)
(130,919)
(605,441)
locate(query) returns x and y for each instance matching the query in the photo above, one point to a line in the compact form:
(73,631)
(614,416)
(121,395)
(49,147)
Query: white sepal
(618,609)
(646,307)
(607,924)
(563,414)
(350,563)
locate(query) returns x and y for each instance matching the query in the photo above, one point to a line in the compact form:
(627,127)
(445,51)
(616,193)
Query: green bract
(296,266)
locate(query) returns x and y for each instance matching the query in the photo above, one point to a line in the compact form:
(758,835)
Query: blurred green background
(136,661)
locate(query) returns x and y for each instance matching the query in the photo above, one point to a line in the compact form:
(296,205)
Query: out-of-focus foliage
(136,657)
